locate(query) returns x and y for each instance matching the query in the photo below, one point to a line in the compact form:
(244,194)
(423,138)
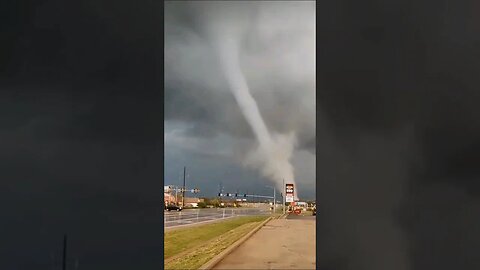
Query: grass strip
(183,239)
(220,236)
(198,257)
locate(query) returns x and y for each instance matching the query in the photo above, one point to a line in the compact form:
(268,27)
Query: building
(192,202)
(169,198)
(303,205)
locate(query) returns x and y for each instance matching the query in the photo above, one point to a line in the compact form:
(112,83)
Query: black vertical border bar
(161,62)
(317,111)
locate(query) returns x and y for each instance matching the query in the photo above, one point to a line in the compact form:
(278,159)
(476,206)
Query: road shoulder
(280,244)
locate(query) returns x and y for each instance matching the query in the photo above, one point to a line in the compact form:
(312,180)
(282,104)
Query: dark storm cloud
(202,117)
(80,133)
(200,107)
(404,75)
(196,91)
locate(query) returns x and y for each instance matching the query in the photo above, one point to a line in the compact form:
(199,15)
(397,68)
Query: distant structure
(192,202)
(169,198)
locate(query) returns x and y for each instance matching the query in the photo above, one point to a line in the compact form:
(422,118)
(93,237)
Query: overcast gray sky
(204,127)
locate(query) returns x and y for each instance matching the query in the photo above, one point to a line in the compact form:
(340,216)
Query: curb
(215,260)
(176,256)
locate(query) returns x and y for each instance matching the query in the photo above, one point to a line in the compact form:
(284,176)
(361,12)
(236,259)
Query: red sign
(289,188)
(289,193)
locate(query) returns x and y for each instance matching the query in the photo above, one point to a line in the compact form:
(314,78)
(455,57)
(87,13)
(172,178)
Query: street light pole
(176,195)
(283,195)
(274,198)
(183,194)
(274,202)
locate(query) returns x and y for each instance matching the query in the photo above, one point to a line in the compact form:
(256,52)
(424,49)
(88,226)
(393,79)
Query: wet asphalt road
(193,216)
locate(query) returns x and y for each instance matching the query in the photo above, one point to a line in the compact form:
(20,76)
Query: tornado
(223,25)
(274,151)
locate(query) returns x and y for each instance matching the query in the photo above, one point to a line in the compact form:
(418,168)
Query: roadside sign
(289,191)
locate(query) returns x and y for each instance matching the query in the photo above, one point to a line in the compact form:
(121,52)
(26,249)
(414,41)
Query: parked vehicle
(314,211)
(173,207)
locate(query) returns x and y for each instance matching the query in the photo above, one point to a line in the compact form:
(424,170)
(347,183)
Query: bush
(202,205)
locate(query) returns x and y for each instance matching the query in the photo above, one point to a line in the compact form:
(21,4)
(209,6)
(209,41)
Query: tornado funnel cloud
(273,154)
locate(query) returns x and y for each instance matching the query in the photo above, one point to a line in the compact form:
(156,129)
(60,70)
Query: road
(281,244)
(198,216)
(307,215)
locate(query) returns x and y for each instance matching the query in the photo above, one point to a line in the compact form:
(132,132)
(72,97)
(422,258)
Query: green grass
(190,248)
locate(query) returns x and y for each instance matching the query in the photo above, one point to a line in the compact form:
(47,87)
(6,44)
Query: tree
(215,202)
(207,201)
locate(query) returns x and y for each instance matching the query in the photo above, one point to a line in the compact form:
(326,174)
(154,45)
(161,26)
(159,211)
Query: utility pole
(64,262)
(176,195)
(283,195)
(274,201)
(183,194)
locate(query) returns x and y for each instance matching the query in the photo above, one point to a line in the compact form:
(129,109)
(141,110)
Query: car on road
(173,207)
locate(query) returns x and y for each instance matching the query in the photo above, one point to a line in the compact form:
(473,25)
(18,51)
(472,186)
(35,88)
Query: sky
(204,127)
(81,134)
